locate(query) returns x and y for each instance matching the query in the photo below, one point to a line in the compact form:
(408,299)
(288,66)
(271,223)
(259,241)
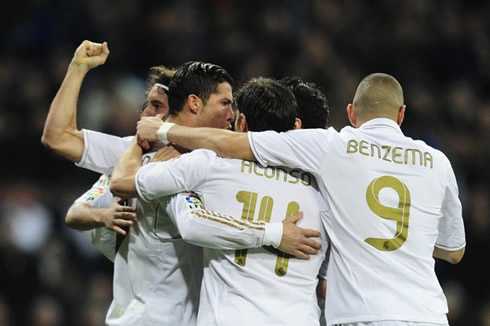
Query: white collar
(381,122)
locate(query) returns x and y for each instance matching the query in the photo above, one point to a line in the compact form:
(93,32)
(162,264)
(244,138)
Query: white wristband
(163,130)
(272,234)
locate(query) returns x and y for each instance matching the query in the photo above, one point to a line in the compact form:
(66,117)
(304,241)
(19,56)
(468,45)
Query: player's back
(261,285)
(386,194)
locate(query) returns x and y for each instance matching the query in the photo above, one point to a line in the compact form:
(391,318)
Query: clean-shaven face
(218,112)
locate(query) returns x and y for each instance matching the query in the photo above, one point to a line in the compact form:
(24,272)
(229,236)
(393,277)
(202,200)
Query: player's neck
(182,119)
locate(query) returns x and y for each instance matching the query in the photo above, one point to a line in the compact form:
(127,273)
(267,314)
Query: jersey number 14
(249,201)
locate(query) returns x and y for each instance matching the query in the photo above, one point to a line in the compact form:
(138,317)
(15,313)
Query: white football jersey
(101,151)
(99,195)
(258,286)
(392,199)
(157,275)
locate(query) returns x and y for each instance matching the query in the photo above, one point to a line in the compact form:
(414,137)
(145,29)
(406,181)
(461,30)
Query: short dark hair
(198,78)
(313,109)
(267,105)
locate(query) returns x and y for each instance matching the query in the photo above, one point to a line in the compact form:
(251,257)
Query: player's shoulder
(315,135)
(440,160)
(317,131)
(431,149)
(99,134)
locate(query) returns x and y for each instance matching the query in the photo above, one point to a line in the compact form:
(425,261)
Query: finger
(126,209)
(118,230)
(86,45)
(93,49)
(308,250)
(144,144)
(294,218)
(160,116)
(126,216)
(121,201)
(122,223)
(311,233)
(301,255)
(313,244)
(105,48)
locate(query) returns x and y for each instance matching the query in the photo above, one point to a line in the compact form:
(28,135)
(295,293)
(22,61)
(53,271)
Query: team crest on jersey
(194,201)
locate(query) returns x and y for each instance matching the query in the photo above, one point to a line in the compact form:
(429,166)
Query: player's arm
(123,183)
(60,133)
(453,257)
(225,143)
(211,229)
(97,208)
(81,216)
(123,177)
(304,149)
(100,213)
(450,244)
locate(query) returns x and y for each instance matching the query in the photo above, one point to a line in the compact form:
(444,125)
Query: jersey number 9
(400,214)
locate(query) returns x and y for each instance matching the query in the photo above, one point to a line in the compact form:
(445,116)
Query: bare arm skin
(123,177)
(60,133)
(453,257)
(82,216)
(225,143)
(122,181)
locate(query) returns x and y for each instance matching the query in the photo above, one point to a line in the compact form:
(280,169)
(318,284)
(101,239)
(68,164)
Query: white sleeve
(101,151)
(213,230)
(451,235)
(304,148)
(186,173)
(100,196)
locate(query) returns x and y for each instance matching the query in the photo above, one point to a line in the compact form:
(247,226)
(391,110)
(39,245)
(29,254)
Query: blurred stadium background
(439,50)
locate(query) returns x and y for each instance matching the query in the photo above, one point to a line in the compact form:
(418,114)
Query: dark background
(439,50)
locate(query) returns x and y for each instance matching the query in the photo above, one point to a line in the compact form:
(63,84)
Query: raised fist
(90,55)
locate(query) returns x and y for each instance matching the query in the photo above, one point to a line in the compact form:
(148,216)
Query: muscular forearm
(60,131)
(123,183)
(225,143)
(83,217)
